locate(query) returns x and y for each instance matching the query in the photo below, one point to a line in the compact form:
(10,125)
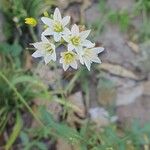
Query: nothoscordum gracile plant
(78,47)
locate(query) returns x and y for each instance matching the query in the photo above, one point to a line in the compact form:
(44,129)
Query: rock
(65,3)
(51,105)
(48,76)
(94,12)
(74,12)
(101,117)
(118,70)
(139,110)
(128,95)
(146,88)
(106,92)
(77,101)
(116,49)
(121,4)
(144,57)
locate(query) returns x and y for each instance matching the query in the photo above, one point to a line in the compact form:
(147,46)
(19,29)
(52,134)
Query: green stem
(70,86)
(21,98)
(33,34)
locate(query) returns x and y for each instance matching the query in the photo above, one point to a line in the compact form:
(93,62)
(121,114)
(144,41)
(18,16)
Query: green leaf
(24,138)
(16,50)
(15,133)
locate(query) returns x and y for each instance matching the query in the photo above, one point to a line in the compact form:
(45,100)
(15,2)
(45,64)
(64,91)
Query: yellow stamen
(58,27)
(69,57)
(48,48)
(75,40)
(31,21)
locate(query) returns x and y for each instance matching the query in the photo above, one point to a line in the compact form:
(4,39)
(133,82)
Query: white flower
(90,55)
(45,49)
(69,58)
(78,39)
(56,26)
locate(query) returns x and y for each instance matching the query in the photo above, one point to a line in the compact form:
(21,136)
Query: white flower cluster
(78,47)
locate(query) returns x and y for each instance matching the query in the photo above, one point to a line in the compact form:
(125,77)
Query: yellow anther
(75,40)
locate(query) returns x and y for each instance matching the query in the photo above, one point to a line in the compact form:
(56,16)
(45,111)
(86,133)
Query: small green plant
(15,11)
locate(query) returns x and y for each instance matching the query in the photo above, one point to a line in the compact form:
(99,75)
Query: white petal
(65,20)
(70,47)
(57,37)
(47,59)
(57,15)
(47,21)
(66,38)
(39,45)
(53,46)
(65,67)
(96,60)
(37,54)
(44,39)
(87,63)
(84,34)
(88,44)
(66,31)
(53,56)
(48,31)
(75,30)
(61,60)
(98,50)
(81,59)
(79,50)
(74,65)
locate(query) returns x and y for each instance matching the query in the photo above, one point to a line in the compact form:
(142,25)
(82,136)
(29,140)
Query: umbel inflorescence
(78,47)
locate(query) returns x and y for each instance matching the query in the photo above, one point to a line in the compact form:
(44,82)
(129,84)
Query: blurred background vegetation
(44,108)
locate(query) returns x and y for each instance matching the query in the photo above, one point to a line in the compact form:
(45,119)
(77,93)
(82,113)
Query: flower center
(69,57)
(58,27)
(48,48)
(75,40)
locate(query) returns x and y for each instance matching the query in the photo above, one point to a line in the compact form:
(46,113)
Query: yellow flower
(31,21)
(46,14)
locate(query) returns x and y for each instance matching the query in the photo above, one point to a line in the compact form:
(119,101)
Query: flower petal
(47,58)
(75,30)
(61,60)
(57,37)
(66,31)
(74,65)
(53,56)
(66,38)
(44,39)
(70,47)
(65,20)
(48,31)
(96,59)
(79,50)
(65,67)
(57,15)
(81,59)
(53,46)
(38,45)
(37,54)
(84,34)
(47,21)
(87,63)
(98,50)
(88,44)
